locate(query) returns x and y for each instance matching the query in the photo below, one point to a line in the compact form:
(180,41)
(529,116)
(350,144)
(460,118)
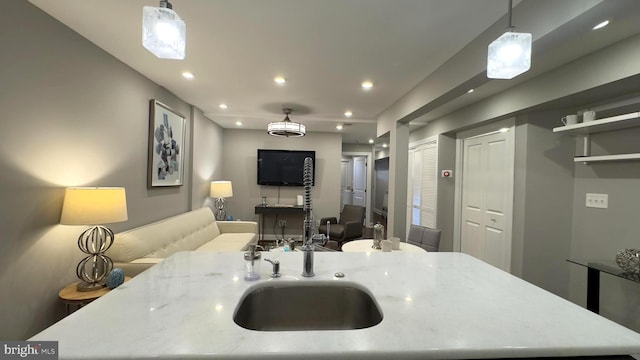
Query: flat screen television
(283,167)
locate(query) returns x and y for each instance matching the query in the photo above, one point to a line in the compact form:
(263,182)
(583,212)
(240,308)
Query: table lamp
(92,206)
(221,190)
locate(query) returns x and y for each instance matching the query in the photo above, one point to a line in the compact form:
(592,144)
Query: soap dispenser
(252,263)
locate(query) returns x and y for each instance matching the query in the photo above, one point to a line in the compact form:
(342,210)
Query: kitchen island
(434,305)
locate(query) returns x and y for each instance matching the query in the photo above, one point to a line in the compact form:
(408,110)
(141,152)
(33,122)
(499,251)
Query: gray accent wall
(74,116)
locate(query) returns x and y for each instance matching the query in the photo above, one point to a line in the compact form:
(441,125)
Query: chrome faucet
(307,242)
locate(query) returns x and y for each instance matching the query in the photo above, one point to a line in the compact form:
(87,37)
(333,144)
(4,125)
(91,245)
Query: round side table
(72,297)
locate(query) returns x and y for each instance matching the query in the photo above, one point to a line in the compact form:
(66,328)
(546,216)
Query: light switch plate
(600,201)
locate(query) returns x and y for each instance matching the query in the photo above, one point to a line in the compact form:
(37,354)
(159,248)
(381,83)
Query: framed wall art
(167,130)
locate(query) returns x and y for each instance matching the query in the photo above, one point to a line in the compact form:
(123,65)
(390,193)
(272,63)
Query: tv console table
(594,268)
(263,210)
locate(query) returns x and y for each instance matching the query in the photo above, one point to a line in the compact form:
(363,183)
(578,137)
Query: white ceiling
(325,49)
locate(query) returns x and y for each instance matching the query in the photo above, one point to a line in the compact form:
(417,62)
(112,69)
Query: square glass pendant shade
(509,55)
(163,33)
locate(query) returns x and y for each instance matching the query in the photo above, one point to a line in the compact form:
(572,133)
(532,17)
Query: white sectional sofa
(140,248)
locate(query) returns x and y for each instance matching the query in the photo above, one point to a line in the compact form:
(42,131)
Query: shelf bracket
(586,146)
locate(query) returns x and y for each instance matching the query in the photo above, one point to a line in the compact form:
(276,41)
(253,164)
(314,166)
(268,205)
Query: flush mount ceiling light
(510,54)
(286,127)
(163,32)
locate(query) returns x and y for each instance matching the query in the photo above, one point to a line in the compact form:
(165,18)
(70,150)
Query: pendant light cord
(510,27)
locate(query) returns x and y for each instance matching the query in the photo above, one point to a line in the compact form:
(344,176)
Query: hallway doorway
(356,182)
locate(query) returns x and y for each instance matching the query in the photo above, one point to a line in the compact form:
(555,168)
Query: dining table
(365,245)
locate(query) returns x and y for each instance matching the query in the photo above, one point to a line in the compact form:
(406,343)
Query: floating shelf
(618,157)
(601,125)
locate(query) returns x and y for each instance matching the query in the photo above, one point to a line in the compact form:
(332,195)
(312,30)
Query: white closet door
(486,195)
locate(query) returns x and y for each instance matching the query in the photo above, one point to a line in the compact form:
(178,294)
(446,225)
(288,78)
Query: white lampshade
(221,189)
(163,32)
(509,55)
(94,205)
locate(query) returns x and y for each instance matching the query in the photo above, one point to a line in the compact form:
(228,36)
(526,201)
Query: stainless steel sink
(314,305)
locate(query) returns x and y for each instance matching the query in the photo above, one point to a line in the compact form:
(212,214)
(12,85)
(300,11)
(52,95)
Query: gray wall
(446,190)
(546,189)
(357,148)
(545,235)
(240,167)
(207,158)
(601,233)
(381,185)
(73,116)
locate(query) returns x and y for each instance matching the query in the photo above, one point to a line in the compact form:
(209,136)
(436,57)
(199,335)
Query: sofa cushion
(229,242)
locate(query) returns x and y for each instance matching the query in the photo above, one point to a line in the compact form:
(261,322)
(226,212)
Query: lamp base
(85,286)
(220,213)
(93,269)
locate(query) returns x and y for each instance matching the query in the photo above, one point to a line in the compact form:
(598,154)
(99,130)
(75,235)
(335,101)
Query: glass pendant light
(163,32)
(510,54)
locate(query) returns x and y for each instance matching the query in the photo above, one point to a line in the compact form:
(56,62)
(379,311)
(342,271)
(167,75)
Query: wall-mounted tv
(283,167)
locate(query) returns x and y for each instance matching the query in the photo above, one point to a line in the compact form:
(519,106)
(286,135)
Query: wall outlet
(600,201)
(282,223)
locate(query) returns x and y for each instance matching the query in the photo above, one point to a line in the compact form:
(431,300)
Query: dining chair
(425,237)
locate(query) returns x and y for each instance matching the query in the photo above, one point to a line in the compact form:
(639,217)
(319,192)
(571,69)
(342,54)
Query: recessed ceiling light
(223,106)
(367,85)
(601,25)
(187,75)
(238,123)
(339,126)
(470,91)
(504,130)
(280,80)
(370,141)
(384,145)
(348,113)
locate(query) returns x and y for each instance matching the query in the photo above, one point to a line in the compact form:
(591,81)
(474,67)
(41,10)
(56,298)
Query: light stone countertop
(435,306)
